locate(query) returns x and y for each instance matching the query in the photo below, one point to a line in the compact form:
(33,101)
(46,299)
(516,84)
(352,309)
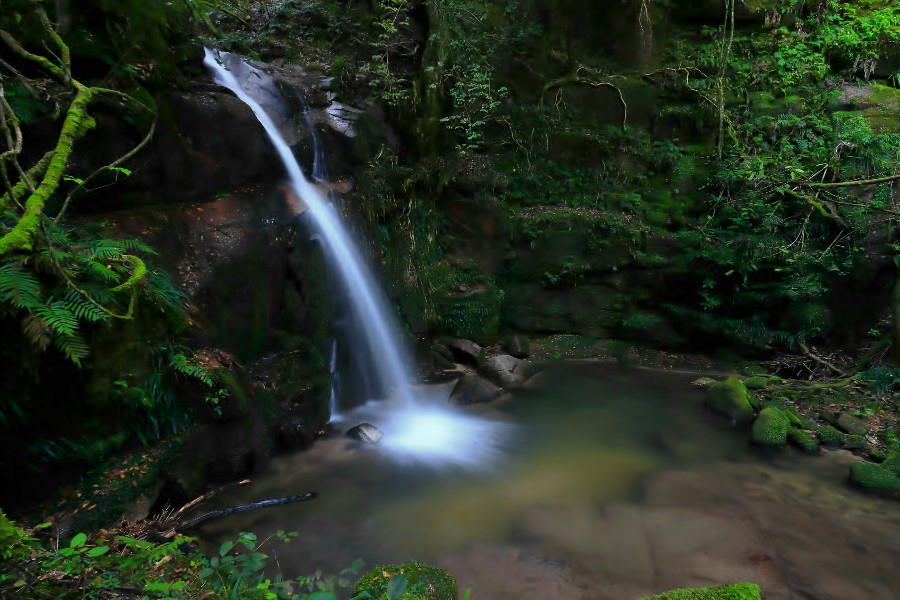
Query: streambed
(602,483)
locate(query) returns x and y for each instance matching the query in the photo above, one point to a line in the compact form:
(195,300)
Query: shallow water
(605,483)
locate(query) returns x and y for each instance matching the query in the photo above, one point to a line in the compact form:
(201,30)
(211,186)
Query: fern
(19,287)
(82,308)
(74,347)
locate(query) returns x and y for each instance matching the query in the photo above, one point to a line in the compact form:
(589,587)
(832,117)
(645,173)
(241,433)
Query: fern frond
(73,347)
(37,331)
(58,317)
(19,287)
(82,308)
(138,246)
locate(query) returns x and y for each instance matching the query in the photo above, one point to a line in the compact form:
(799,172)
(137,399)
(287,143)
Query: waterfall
(384,347)
(421,428)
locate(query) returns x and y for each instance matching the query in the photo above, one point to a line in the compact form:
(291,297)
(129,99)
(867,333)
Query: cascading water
(417,426)
(363,295)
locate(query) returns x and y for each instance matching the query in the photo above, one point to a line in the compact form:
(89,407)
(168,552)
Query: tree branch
(849,183)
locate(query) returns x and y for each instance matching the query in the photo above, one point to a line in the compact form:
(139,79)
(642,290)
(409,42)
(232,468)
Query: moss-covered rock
(771,428)
(892,462)
(803,440)
(830,436)
(851,424)
(854,442)
(758,382)
(731,399)
(737,591)
(875,478)
(422,582)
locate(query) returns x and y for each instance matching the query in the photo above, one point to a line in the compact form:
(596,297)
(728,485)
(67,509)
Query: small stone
(851,424)
(703,382)
(366,433)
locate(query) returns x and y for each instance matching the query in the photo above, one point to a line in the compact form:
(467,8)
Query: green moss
(771,428)
(422,582)
(830,436)
(854,442)
(875,478)
(737,591)
(892,462)
(803,440)
(731,399)
(757,382)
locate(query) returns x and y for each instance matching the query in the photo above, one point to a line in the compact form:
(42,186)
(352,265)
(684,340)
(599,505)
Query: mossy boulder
(830,436)
(737,591)
(874,478)
(731,399)
(422,582)
(892,462)
(759,382)
(854,442)
(771,428)
(803,440)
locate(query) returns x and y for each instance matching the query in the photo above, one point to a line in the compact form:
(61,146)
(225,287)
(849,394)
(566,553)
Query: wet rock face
(465,351)
(366,433)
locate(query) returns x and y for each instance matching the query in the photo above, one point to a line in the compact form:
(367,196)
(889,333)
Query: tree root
(584,75)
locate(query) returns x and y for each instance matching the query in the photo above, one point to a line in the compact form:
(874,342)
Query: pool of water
(600,483)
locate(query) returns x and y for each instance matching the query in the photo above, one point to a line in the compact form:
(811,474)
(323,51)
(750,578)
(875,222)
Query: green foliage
(14,542)
(410,581)
(90,568)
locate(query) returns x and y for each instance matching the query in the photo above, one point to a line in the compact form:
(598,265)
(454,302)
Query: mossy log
(77,123)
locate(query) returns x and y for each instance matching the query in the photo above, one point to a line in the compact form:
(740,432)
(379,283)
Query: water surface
(608,483)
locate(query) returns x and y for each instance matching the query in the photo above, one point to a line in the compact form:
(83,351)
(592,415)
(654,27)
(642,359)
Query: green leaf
(98,551)
(78,541)
(225,548)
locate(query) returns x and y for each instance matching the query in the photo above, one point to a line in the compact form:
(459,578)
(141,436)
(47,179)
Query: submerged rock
(472,389)
(366,433)
(731,399)
(465,351)
(771,428)
(505,370)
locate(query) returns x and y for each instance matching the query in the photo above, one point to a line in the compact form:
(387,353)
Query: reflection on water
(611,484)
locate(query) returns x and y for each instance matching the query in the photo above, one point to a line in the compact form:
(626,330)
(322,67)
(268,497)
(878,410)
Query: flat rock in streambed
(851,424)
(366,433)
(472,389)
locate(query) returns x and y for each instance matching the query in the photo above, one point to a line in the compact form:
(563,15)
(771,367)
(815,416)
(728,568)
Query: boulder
(875,478)
(506,371)
(366,433)
(472,389)
(731,399)
(737,591)
(465,351)
(771,428)
(851,424)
